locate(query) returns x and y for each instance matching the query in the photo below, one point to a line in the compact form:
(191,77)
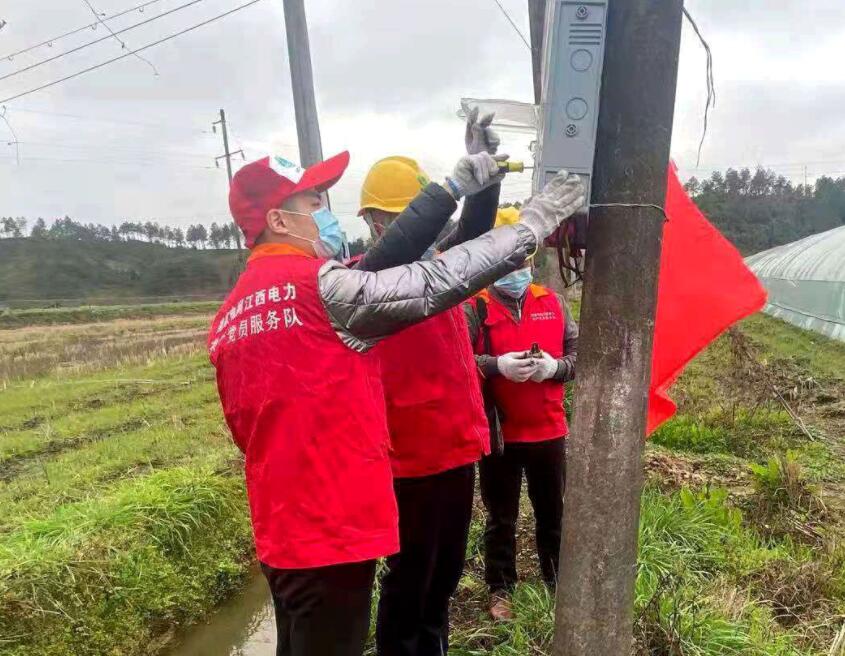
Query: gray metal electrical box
(573,57)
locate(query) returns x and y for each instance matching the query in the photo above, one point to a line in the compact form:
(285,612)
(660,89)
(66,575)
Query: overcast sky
(122,143)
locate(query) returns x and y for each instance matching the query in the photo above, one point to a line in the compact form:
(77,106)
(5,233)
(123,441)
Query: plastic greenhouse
(806,282)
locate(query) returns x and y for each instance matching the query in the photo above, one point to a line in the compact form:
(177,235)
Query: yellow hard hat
(391,184)
(506,216)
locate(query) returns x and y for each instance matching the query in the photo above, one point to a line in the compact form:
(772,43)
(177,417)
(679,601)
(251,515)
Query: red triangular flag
(704,287)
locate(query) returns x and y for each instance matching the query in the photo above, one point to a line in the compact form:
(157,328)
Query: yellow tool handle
(511,167)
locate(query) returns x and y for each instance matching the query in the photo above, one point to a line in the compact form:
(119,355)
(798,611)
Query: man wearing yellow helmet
(525,342)
(436,421)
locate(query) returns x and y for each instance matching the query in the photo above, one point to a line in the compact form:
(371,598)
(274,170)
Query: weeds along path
(737,557)
(124,513)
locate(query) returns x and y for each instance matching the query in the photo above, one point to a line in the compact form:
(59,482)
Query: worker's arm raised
(479,211)
(418,226)
(413,231)
(365,307)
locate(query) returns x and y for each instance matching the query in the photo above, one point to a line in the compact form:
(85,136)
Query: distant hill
(51,270)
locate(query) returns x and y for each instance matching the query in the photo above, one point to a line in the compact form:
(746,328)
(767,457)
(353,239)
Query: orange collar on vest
(263,250)
(537,291)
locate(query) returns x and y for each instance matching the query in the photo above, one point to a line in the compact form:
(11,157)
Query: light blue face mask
(331,239)
(515,283)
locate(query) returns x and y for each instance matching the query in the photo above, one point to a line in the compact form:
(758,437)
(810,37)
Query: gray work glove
(480,137)
(546,368)
(473,173)
(516,367)
(562,196)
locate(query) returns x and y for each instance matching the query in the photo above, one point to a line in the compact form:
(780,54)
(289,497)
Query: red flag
(703,288)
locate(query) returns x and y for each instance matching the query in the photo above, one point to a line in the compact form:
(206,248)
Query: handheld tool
(513,166)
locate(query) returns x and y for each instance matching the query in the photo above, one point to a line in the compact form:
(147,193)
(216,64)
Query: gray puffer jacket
(367,306)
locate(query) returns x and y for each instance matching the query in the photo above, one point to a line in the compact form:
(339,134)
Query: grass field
(100,313)
(123,506)
(124,513)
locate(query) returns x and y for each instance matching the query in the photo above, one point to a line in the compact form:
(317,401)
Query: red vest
(435,412)
(528,412)
(308,413)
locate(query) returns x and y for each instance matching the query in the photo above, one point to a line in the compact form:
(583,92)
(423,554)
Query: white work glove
(546,368)
(473,173)
(480,137)
(562,196)
(516,367)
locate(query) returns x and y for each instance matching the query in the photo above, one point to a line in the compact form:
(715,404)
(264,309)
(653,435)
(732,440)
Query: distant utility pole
(302,82)
(227,155)
(595,593)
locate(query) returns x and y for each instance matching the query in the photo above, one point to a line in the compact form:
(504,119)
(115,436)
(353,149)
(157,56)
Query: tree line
(761,209)
(195,235)
(755,211)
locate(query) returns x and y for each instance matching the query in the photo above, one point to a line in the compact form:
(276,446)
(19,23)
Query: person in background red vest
(435,417)
(524,395)
(301,389)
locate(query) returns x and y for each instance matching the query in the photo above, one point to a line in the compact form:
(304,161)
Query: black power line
(111,31)
(513,24)
(89,26)
(130,53)
(110,35)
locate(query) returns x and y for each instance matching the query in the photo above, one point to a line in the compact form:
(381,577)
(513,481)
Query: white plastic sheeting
(806,282)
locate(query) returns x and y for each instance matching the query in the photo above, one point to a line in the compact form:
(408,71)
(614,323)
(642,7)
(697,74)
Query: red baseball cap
(265,184)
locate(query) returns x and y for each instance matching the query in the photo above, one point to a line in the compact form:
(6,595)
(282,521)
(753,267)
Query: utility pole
(536,21)
(302,82)
(228,157)
(595,593)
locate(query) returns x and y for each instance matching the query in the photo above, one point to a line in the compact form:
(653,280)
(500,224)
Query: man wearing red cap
(302,393)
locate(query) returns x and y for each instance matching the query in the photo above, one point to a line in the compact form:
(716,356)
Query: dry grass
(70,350)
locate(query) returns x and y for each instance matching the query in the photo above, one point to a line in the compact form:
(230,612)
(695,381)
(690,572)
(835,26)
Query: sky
(133,140)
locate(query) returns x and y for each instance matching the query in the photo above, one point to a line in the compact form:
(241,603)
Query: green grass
(98,576)
(752,570)
(124,512)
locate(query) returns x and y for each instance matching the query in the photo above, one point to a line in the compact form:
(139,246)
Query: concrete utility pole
(536,21)
(302,81)
(595,594)
(228,157)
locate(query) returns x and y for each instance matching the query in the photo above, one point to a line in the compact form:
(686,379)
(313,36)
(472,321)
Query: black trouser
(544,464)
(324,611)
(434,516)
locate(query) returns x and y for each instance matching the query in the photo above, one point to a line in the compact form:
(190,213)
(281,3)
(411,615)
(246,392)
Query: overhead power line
(89,26)
(117,38)
(96,41)
(14,136)
(130,53)
(513,25)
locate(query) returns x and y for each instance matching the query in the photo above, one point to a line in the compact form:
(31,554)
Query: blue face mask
(515,283)
(331,239)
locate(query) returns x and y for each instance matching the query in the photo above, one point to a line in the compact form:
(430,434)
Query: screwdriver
(513,166)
